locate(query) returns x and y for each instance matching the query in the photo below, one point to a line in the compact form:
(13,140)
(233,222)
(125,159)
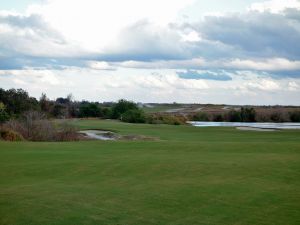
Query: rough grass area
(190,176)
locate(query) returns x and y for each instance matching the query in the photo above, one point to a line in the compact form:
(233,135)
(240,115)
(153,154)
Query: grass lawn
(190,176)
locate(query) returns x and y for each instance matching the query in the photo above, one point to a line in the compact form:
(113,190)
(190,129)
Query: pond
(245,124)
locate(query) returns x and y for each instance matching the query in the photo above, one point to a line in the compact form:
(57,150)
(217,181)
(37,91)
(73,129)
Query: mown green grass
(190,176)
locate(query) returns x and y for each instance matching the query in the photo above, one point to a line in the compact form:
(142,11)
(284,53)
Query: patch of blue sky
(17,5)
(204,75)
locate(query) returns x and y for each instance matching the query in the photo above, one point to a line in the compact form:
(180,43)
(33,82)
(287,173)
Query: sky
(188,51)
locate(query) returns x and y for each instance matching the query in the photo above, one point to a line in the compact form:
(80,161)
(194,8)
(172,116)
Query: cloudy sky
(193,51)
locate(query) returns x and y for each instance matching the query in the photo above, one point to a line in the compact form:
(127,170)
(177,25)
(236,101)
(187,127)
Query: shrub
(10,135)
(200,117)
(121,107)
(218,118)
(134,116)
(295,116)
(3,116)
(59,110)
(248,114)
(66,133)
(35,127)
(166,119)
(234,116)
(277,117)
(107,112)
(90,110)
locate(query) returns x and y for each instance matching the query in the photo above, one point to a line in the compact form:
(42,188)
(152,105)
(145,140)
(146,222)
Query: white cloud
(192,36)
(293,86)
(164,64)
(273,64)
(97,23)
(34,77)
(263,84)
(32,36)
(106,41)
(100,65)
(274,6)
(151,86)
(265,64)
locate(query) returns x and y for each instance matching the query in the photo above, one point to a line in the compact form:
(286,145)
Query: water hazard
(245,124)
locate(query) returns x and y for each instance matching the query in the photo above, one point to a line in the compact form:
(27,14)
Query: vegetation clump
(10,135)
(166,119)
(134,116)
(201,116)
(34,126)
(3,114)
(295,116)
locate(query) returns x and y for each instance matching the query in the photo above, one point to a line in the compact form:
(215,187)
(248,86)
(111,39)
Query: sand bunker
(257,129)
(99,134)
(111,136)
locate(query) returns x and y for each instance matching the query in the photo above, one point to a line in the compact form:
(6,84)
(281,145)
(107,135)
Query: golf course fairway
(187,176)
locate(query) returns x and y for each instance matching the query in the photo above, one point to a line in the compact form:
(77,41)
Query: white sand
(256,129)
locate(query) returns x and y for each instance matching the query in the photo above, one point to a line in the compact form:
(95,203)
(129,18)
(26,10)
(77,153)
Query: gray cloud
(28,41)
(144,41)
(239,39)
(259,34)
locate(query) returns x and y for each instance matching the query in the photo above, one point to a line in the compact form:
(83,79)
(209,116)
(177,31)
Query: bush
(166,119)
(10,135)
(66,133)
(248,114)
(277,117)
(218,118)
(3,114)
(121,107)
(200,117)
(90,110)
(107,112)
(134,116)
(234,116)
(35,127)
(295,116)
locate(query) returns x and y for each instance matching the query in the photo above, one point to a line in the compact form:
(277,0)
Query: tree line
(15,102)
(249,114)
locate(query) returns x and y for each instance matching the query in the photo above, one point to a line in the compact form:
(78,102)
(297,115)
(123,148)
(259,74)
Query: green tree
(234,116)
(134,116)
(90,110)
(17,101)
(218,118)
(202,116)
(295,116)
(121,107)
(3,114)
(248,114)
(45,103)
